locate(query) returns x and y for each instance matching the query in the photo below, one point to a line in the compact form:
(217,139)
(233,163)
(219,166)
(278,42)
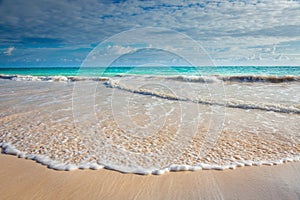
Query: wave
(109,82)
(8,148)
(231,104)
(195,79)
(271,79)
(240,78)
(51,78)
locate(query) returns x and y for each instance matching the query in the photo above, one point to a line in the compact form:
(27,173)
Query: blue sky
(233,32)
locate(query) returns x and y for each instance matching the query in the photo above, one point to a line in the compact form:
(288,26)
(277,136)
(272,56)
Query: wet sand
(25,179)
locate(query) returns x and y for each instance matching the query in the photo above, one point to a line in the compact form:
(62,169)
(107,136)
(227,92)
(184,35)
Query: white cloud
(119,50)
(9,51)
(234,27)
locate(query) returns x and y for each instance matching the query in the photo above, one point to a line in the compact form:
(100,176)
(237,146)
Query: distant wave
(51,78)
(241,78)
(195,79)
(199,79)
(209,79)
(231,104)
(271,79)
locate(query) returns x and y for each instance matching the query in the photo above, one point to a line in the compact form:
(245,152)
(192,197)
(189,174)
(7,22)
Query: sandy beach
(150,100)
(25,179)
(38,120)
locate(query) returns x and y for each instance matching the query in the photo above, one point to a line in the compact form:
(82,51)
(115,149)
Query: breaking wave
(232,104)
(196,79)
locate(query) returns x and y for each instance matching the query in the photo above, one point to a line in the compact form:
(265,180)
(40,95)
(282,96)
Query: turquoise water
(112,71)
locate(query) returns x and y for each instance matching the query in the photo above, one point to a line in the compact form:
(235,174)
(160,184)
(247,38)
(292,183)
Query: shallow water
(151,124)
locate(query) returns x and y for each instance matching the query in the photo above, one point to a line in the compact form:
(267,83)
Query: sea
(151,120)
(157,70)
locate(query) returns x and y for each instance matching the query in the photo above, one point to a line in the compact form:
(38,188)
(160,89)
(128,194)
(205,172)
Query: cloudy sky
(232,32)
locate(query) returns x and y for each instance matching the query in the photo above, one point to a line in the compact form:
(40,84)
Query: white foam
(248,163)
(161,171)
(50,78)
(84,166)
(95,166)
(57,165)
(180,168)
(70,167)
(10,150)
(229,103)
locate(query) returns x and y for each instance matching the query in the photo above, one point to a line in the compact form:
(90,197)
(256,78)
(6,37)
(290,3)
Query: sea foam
(149,124)
(199,79)
(57,165)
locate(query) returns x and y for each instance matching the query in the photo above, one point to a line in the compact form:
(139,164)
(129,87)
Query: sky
(231,32)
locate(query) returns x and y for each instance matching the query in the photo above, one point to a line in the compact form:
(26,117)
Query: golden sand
(25,179)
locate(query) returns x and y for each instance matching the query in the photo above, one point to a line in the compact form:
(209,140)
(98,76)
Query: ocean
(151,120)
(172,70)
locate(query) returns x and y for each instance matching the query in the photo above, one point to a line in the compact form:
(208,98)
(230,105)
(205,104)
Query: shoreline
(54,122)
(8,149)
(22,178)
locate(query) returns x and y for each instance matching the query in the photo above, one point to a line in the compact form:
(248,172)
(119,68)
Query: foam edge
(8,148)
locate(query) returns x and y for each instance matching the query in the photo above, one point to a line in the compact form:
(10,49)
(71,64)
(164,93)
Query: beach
(150,99)
(151,124)
(25,179)
(150,137)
